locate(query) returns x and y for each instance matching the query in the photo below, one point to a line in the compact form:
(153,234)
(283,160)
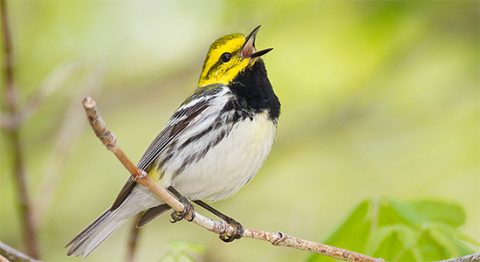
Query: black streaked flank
(164,139)
(220,122)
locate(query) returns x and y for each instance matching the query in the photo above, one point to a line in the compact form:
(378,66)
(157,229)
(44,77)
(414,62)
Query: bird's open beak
(248,48)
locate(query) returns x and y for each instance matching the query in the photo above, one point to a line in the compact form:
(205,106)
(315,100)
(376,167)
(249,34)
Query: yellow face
(224,62)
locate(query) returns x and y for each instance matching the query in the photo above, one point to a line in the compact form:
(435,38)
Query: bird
(213,144)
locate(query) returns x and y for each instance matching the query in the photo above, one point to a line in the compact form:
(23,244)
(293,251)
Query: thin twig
(219,227)
(17,154)
(10,254)
(468,258)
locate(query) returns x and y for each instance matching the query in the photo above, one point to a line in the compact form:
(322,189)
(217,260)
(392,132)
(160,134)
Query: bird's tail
(85,242)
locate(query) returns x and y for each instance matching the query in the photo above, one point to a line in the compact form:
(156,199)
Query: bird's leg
(238,228)
(188,210)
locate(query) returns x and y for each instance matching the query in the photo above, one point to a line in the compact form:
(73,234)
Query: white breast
(227,166)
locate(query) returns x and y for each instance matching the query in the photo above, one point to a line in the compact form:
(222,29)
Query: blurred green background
(378,99)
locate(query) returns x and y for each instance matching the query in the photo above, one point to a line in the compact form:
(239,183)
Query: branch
(10,254)
(13,136)
(468,258)
(219,227)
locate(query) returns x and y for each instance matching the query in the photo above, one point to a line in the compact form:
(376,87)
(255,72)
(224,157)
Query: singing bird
(213,144)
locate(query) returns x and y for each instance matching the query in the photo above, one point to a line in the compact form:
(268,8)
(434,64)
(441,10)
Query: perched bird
(213,144)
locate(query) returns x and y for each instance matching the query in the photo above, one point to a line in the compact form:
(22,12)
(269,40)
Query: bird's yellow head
(228,57)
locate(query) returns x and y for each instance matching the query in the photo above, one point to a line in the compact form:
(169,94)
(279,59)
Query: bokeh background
(378,99)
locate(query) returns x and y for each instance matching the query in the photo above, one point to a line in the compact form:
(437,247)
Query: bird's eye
(225,57)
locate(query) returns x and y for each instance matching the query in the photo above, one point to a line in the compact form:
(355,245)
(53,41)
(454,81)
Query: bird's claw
(187,213)
(237,231)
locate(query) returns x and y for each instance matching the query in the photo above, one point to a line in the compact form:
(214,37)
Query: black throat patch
(254,92)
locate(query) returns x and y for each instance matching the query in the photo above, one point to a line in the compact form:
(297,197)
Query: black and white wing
(182,118)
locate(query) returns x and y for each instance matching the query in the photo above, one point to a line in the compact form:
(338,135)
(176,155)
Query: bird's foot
(226,236)
(237,231)
(187,213)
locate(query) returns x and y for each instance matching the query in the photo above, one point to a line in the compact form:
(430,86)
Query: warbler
(213,144)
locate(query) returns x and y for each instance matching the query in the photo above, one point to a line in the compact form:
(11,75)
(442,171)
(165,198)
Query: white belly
(229,165)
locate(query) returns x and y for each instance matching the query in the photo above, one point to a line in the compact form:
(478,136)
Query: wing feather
(187,112)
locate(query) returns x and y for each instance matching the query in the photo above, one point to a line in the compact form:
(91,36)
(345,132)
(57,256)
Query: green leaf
(431,248)
(351,234)
(440,211)
(354,229)
(410,254)
(391,241)
(394,212)
(419,212)
(416,230)
(452,239)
